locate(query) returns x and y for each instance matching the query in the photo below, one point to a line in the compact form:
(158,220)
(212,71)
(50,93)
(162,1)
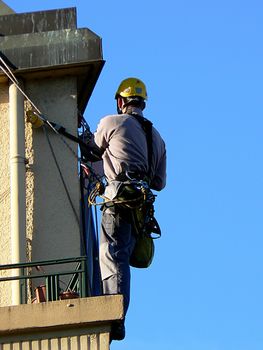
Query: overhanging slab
(70,52)
(51,48)
(47,44)
(36,22)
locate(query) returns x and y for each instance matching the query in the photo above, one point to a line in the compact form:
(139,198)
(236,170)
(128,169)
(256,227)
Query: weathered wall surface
(59,65)
(79,324)
(54,226)
(5,247)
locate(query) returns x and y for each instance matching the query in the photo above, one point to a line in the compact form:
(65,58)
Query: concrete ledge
(73,313)
(47,44)
(50,49)
(40,21)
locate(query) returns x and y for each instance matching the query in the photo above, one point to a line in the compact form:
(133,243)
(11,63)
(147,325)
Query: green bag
(146,227)
(143,251)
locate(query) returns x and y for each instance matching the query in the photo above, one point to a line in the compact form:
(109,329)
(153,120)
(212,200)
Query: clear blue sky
(202,63)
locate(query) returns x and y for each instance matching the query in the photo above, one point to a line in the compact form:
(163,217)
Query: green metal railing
(27,272)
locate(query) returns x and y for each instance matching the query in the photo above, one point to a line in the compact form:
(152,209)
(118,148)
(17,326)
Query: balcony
(56,315)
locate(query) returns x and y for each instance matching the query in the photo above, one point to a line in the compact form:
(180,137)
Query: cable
(11,76)
(96,224)
(9,70)
(63,182)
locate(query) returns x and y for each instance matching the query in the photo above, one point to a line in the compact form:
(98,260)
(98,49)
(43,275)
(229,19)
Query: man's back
(123,141)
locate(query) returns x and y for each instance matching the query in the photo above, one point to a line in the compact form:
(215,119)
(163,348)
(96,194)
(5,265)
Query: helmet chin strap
(119,110)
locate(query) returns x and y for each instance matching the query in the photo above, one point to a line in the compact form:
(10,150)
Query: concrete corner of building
(85,319)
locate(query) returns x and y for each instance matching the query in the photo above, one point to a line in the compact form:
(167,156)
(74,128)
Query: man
(122,142)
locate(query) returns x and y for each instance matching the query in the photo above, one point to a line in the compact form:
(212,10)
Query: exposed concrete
(42,21)
(52,229)
(56,232)
(45,51)
(59,68)
(4,9)
(74,324)
(53,48)
(60,314)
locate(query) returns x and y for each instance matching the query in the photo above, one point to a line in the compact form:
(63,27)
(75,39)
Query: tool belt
(140,200)
(137,197)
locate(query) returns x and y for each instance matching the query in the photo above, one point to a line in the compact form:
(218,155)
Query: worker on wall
(122,143)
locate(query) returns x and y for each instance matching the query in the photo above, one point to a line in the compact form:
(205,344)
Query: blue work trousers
(117,241)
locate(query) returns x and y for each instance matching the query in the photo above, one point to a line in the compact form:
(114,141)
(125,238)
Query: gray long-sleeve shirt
(123,143)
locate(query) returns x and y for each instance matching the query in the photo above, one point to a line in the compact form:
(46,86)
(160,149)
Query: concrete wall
(53,231)
(51,219)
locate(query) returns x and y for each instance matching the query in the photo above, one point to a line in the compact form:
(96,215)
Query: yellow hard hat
(132,87)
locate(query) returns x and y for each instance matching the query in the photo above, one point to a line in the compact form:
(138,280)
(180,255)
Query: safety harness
(145,224)
(144,220)
(133,191)
(147,128)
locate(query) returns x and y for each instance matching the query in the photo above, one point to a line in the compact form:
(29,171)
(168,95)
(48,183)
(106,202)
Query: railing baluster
(47,288)
(52,280)
(56,285)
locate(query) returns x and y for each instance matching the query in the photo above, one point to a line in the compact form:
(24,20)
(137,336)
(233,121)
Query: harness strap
(147,127)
